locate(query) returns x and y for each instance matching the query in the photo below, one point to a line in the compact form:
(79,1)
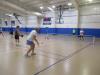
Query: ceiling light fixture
(41,7)
(90,0)
(53,6)
(37,13)
(69,4)
(10,15)
(50,9)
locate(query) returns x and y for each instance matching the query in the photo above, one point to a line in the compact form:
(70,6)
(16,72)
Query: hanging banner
(47,21)
(0,21)
(13,23)
(6,23)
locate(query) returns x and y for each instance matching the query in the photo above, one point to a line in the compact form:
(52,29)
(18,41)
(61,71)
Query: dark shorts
(11,32)
(73,33)
(30,42)
(16,36)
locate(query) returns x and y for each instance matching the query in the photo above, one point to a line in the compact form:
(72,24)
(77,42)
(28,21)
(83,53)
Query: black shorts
(11,33)
(16,36)
(73,33)
(0,32)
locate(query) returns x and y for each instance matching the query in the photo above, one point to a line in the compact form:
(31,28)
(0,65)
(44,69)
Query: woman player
(81,34)
(17,35)
(30,41)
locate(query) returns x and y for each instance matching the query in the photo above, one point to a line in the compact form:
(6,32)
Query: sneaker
(33,54)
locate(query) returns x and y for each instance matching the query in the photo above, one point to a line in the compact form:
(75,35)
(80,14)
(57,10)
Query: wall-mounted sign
(6,23)
(47,21)
(13,23)
(0,21)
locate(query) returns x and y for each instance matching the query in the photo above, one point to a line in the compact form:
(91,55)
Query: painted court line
(48,56)
(65,58)
(51,53)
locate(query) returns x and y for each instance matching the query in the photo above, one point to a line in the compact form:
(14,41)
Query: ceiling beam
(97,2)
(75,3)
(14,8)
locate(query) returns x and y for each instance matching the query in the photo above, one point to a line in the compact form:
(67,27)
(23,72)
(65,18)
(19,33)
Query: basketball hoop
(59,14)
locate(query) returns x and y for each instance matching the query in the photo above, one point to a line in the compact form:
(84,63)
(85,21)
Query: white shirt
(81,32)
(30,36)
(0,29)
(73,30)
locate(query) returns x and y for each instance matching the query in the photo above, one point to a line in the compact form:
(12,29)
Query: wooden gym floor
(60,55)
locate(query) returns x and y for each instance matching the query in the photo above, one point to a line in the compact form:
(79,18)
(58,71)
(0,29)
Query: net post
(94,39)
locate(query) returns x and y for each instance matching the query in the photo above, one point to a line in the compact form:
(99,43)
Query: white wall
(6,18)
(9,19)
(90,16)
(70,19)
(31,21)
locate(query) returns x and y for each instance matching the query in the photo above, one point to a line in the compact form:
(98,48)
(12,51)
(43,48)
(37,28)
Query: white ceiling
(35,4)
(26,6)
(83,2)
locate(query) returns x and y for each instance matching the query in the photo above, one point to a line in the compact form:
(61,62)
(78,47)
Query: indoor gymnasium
(49,37)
